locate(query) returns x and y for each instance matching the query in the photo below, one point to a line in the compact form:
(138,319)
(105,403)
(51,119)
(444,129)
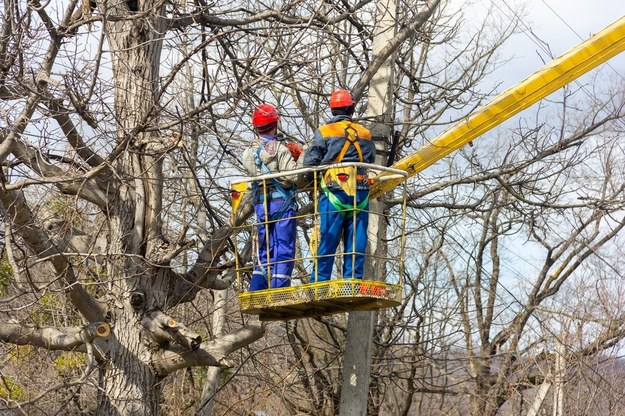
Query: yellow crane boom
(556,74)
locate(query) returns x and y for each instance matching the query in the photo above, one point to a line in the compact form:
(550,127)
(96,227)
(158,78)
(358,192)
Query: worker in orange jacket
(344,203)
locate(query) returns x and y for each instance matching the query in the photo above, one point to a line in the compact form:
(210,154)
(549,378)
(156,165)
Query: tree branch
(267,15)
(162,328)
(64,339)
(18,212)
(213,353)
(378,60)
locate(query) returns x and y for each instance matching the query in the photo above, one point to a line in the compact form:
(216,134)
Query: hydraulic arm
(556,74)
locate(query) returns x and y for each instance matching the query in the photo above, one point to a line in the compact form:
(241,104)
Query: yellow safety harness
(346,177)
(350,139)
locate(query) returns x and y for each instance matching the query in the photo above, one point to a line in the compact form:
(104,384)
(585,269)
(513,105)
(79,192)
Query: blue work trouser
(275,264)
(353,229)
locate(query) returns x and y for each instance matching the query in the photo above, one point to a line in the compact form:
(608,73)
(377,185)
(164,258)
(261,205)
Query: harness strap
(340,206)
(350,139)
(256,248)
(286,195)
(260,166)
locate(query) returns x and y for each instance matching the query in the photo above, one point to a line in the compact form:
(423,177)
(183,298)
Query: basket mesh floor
(322,298)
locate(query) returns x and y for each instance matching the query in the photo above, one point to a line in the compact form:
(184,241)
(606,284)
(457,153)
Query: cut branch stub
(103,330)
(164,329)
(97,330)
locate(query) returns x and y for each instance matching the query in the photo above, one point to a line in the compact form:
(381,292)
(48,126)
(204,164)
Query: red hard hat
(341,98)
(264,114)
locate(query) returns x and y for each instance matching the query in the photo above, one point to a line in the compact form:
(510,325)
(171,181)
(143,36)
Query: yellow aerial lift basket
(303,298)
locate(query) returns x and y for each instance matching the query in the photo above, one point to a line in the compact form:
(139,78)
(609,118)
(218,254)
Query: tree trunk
(130,383)
(484,397)
(136,46)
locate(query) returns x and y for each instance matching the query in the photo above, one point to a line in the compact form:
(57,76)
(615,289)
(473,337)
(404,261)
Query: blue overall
(276,234)
(281,245)
(352,228)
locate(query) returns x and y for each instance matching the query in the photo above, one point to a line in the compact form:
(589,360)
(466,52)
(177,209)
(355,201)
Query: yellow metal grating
(251,236)
(322,298)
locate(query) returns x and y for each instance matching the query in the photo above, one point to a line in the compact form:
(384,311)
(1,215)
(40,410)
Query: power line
(527,31)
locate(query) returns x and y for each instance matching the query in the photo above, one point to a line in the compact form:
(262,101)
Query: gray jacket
(275,155)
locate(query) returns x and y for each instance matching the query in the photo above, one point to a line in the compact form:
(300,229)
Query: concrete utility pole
(361,325)
(560,375)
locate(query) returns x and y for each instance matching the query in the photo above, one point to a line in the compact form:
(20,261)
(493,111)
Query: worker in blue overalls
(274,202)
(344,202)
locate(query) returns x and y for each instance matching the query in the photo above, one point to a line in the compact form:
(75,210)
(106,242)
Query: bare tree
(512,240)
(121,122)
